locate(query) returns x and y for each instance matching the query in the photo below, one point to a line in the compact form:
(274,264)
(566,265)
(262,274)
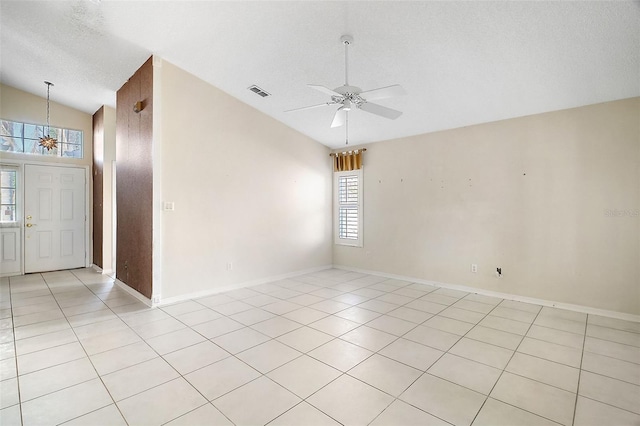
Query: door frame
(88,200)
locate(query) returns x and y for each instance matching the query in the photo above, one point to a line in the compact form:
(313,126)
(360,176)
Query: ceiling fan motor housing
(350,94)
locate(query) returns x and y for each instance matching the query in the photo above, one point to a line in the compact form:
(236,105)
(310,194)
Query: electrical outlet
(499,272)
(474,268)
(229,266)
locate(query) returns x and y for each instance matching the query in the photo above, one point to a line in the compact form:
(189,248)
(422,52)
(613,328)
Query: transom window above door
(24,138)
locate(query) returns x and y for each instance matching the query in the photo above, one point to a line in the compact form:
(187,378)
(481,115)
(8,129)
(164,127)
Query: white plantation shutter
(348,202)
(348,210)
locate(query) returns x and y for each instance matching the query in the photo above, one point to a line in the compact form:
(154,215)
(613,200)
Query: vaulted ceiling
(462,63)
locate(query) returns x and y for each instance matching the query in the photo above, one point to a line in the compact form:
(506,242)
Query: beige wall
(529,195)
(247,189)
(17,105)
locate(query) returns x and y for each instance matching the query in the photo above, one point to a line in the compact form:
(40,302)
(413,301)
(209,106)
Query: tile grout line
(610,405)
(613,341)
(575,404)
(303,401)
(319,286)
(440,357)
(242,361)
(334,337)
(258,307)
(158,356)
(397,338)
(303,354)
(87,355)
(18,375)
(505,368)
(261,374)
(537,381)
(15,351)
(88,358)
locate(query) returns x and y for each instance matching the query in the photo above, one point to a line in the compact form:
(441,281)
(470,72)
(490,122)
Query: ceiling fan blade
(339,118)
(380,110)
(311,107)
(324,90)
(383,92)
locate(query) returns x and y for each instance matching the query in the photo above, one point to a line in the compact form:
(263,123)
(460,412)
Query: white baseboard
(204,293)
(568,306)
(100,270)
(133,292)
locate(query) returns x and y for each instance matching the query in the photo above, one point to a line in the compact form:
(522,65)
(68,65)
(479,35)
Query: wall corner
(157,178)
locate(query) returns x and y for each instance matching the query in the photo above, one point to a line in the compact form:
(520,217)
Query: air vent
(258,91)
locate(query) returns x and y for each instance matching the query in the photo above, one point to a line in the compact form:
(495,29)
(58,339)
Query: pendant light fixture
(47,141)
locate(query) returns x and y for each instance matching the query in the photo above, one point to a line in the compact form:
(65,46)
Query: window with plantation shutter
(348,207)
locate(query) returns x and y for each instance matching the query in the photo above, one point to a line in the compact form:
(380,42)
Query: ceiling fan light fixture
(349,98)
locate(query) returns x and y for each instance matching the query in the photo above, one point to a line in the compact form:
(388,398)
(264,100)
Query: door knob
(29,225)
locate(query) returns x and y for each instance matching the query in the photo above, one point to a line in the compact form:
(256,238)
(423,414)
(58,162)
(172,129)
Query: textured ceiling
(461,63)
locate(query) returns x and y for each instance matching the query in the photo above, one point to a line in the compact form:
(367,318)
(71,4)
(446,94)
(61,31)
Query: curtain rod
(333,154)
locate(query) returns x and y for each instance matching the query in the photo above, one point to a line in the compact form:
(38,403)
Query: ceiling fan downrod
(346,40)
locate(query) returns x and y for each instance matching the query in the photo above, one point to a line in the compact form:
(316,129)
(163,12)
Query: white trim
(19,223)
(114,218)
(100,270)
(561,305)
(88,217)
(198,294)
(156,156)
(133,292)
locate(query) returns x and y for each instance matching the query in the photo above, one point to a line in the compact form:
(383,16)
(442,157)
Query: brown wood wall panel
(98,163)
(134,181)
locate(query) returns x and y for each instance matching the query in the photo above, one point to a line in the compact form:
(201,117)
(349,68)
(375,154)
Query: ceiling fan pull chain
(346,123)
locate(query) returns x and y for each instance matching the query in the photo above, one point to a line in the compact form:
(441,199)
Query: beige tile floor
(333,347)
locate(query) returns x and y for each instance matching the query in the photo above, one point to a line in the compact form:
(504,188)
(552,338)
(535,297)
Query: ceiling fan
(352,97)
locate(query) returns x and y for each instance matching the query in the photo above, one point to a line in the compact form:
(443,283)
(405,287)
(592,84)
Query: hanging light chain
(48,142)
(49,84)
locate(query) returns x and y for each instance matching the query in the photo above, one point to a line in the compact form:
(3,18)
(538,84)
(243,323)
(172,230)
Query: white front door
(54,218)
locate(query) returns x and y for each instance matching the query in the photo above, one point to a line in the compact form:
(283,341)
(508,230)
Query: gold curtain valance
(345,161)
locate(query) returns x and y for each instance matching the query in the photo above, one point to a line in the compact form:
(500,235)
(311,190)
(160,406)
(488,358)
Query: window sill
(356,244)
